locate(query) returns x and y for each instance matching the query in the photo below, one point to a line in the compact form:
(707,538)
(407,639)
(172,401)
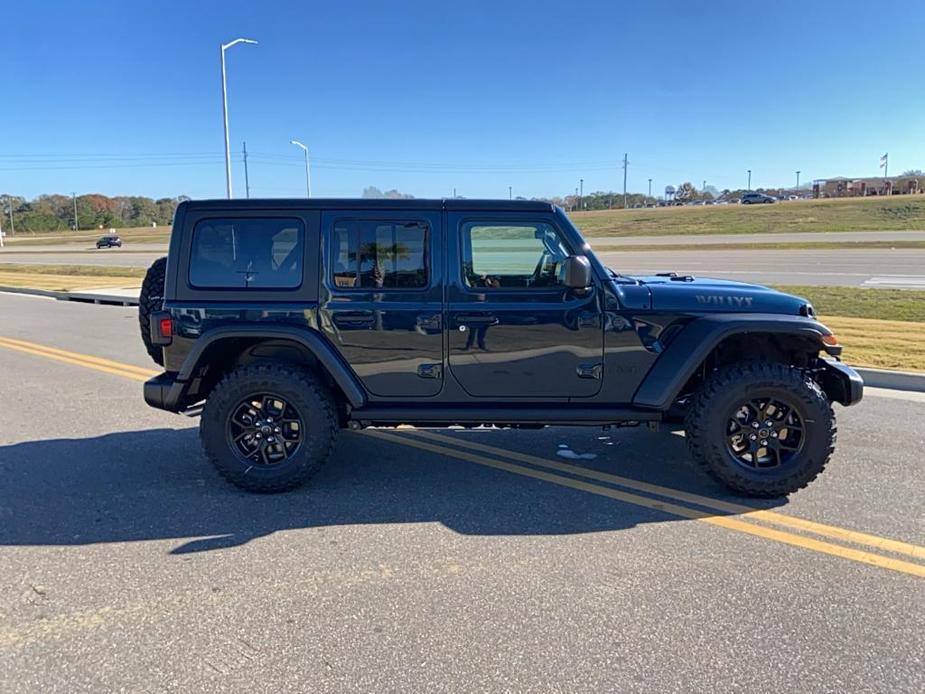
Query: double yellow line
(747,519)
(77,359)
(765,524)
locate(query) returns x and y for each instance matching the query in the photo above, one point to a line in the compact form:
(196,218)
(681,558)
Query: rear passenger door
(382,299)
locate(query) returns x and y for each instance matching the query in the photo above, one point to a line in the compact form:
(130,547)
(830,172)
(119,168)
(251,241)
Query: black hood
(684,293)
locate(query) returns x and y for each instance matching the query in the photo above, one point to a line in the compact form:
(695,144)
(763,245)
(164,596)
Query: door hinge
(430,371)
(590,371)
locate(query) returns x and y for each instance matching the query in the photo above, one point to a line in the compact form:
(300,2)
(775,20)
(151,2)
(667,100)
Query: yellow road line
(667,507)
(748,512)
(115,368)
(141,374)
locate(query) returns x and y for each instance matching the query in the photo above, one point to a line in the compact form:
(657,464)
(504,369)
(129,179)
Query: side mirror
(577,272)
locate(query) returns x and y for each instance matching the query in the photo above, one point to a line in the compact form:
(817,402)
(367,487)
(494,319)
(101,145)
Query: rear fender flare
(315,343)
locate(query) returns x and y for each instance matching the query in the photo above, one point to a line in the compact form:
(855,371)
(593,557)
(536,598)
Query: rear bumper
(841,383)
(164,392)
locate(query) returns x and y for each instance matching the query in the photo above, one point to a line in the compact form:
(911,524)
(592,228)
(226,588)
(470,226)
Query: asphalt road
(879,267)
(416,563)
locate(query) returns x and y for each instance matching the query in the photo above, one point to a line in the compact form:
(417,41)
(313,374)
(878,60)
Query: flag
(883,161)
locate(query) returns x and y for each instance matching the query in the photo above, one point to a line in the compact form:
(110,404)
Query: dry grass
(881,344)
(65,283)
(129,235)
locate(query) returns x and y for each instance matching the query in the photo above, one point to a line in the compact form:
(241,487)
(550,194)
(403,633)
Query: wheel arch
(712,341)
(222,349)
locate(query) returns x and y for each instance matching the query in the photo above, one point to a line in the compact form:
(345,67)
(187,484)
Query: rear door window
(249,253)
(372,254)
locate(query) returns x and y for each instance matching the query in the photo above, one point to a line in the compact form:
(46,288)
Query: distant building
(841,187)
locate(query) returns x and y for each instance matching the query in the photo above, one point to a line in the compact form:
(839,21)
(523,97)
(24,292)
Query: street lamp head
(226,46)
(298,144)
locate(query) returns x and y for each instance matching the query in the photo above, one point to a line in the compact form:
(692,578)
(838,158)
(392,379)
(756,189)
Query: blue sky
(124,97)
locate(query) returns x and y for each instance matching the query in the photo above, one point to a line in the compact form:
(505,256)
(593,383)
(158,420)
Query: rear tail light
(161,328)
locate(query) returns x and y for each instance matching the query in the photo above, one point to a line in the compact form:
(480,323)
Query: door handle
(476,319)
(359,319)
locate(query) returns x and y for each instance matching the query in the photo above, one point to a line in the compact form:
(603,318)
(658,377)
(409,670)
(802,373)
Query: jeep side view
(283,321)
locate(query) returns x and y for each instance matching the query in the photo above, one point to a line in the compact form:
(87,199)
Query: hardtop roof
(372,204)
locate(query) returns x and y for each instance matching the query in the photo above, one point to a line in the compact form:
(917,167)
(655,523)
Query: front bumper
(165,392)
(841,383)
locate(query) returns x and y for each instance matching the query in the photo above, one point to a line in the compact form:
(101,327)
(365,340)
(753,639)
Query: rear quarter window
(252,253)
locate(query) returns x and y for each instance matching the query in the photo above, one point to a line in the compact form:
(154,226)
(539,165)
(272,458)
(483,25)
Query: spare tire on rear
(150,300)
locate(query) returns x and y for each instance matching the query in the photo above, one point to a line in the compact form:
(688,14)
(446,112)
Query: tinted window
(499,255)
(247,254)
(379,254)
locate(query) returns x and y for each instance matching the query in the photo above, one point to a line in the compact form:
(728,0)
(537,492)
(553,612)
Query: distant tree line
(94,211)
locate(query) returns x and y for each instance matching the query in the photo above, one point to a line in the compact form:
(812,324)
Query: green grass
(897,213)
(72,270)
(857,302)
(779,246)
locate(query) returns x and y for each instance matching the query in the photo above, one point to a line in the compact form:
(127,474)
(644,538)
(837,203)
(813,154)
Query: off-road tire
(708,418)
(304,392)
(150,300)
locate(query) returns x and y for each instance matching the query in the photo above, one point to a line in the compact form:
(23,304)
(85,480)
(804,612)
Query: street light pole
(510,193)
(749,179)
(76,227)
(308,172)
(581,194)
(650,187)
(798,179)
(225,47)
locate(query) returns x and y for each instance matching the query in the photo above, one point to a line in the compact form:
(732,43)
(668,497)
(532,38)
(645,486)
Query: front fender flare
(686,352)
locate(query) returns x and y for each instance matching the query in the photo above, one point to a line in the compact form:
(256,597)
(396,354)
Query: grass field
(897,213)
(901,212)
(65,278)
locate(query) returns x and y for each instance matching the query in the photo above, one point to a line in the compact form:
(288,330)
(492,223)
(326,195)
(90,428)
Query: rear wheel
(762,429)
(268,427)
(151,299)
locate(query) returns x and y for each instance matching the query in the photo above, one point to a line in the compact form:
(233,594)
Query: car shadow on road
(156,485)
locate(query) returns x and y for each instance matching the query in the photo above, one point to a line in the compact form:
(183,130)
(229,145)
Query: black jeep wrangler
(286,320)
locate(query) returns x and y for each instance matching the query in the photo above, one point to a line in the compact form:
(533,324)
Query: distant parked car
(756,199)
(109,241)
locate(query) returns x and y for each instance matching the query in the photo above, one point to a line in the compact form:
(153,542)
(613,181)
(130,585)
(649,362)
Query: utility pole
(247,180)
(798,179)
(704,186)
(510,193)
(650,187)
(625,166)
(749,179)
(581,192)
(76,227)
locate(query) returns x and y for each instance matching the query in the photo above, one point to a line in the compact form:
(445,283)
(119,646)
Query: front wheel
(268,427)
(762,429)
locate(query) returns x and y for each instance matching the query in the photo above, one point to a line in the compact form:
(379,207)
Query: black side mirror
(577,272)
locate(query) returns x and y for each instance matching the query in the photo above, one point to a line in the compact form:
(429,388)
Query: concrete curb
(84,297)
(894,380)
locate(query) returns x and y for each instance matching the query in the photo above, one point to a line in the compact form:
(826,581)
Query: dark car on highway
(756,199)
(109,241)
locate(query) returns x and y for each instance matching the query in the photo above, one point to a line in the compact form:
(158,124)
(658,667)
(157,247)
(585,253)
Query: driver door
(514,329)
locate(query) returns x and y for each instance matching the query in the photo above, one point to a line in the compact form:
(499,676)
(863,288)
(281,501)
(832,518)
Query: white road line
(896,281)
